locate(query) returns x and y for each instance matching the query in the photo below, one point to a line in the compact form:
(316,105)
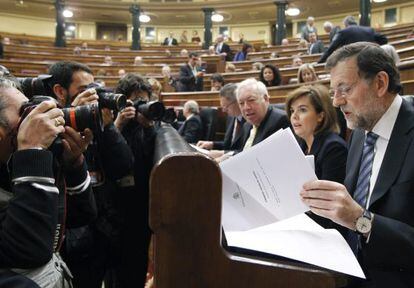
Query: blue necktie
(362,188)
(363,183)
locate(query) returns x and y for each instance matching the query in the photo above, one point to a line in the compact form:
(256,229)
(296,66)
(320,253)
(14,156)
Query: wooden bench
(185,209)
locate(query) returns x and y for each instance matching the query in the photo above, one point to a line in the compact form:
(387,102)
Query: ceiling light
(379,1)
(292,12)
(144,18)
(67,13)
(217,18)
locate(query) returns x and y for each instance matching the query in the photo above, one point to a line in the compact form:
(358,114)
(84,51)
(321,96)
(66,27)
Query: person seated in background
(183,37)
(121,73)
(168,53)
(306,73)
(230,67)
(313,119)
(270,76)
(390,50)
(170,83)
(76,51)
(285,42)
(217,82)
(195,38)
(331,29)
(84,45)
(138,61)
(233,137)
(257,66)
(303,44)
(296,61)
(192,128)
(211,50)
(184,53)
(274,55)
(242,55)
(101,73)
(156,89)
(191,76)
(315,45)
(170,40)
(108,60)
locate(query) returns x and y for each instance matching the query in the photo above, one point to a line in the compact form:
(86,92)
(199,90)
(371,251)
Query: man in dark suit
(222,48)
(233,137)
(191,75)
(192,128)
(316,46)
(331,29)
(375,205)
(170,40)
(351,34)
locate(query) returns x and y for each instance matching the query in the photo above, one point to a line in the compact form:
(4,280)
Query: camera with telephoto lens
(154,111)
(79,118)
(108,99)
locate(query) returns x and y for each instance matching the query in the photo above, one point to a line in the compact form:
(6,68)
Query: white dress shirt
(383,129)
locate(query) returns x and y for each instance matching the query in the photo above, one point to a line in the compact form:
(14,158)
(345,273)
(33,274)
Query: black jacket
(350,35)
(188,82)
(174,41)
(225,49)
(192,129)
(33,223)
(227,144)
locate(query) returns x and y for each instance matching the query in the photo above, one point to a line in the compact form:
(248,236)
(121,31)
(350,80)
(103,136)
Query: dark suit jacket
(192,129)
(333,32)
(388,257)
(274,120)
(350,35)
(226,49)
(227,144)
(188,82)
(330,152)
(316,47)
(174,41)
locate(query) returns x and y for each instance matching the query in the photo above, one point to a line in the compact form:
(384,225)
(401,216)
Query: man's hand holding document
(263,211)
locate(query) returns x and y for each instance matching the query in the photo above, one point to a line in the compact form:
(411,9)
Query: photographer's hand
(74,144)
(107,116)
(86,97)
(124,117)
(40,128)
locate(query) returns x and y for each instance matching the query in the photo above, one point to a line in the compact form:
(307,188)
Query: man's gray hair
(192,107)
(258,87)
(228,91)
(4,84)
(328,24)
(350,20)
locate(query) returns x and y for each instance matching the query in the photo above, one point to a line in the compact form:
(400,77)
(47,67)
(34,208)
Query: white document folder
(262,209)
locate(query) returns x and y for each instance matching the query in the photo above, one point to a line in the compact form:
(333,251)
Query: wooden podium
(185,209)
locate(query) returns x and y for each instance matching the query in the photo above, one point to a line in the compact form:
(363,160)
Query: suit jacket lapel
(354,159)
(396,152)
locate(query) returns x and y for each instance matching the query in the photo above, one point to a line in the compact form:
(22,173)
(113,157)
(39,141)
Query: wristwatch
(363,224)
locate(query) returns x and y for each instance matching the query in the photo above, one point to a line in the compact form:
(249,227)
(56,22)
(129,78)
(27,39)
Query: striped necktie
(362,188)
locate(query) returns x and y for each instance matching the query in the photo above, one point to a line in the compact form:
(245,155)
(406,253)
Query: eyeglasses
(343,90)
(226,107)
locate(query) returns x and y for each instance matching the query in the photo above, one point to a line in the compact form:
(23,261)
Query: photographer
(48,192)
(87,249)
(139,132)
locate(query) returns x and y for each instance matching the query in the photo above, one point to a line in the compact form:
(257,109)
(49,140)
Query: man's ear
(382,81)
(59,91)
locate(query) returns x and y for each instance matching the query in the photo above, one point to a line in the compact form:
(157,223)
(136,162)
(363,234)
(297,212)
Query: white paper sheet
(272,172)
(262,209)
(199,149)
(301,239)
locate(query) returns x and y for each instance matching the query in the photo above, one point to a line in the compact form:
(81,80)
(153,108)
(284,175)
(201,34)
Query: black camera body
(154,111)
(108,99)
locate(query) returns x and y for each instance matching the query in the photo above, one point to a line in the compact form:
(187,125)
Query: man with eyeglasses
(233,137)
(375,205)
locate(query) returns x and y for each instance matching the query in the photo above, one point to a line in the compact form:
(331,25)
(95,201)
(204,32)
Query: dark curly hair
(277,79)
